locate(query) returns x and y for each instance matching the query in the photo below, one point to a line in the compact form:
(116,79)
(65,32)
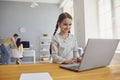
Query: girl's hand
(70,61)
(79,59)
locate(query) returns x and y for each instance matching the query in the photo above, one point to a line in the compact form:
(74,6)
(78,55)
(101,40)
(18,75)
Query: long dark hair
(61,17)
(18,42)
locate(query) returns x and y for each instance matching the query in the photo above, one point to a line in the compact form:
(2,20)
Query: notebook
(97,53)
(35,76)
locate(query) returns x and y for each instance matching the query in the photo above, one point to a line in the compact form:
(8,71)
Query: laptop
(97,53)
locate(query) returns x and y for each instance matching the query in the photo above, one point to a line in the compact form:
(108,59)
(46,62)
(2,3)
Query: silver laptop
(97,53)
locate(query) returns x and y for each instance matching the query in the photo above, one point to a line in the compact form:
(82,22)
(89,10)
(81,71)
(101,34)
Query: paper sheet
(36,76)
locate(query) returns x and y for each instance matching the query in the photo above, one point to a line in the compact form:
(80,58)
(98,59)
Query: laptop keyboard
(71,66)
(74,67)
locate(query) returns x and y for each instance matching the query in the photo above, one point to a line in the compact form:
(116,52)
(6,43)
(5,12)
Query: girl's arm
(55,56)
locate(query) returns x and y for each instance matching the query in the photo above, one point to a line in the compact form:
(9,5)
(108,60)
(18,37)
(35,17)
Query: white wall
(79,21)
(36,21)
(85,16)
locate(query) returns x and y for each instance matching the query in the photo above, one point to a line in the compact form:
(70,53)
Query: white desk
(29,53)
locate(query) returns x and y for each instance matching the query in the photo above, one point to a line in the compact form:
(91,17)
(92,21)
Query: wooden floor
(12,72)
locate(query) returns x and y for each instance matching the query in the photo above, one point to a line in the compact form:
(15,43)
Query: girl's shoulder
(21,45)
(71,35)
(56,36)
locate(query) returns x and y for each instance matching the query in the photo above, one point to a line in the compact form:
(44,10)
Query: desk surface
(12,72)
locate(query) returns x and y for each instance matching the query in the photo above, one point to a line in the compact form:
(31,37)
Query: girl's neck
(64,35)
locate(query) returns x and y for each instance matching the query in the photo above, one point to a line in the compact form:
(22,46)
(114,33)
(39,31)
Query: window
(105,19)
(116,18)
(109,19)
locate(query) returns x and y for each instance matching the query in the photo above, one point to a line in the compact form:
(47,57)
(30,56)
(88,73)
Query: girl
(17,53)
(63,44)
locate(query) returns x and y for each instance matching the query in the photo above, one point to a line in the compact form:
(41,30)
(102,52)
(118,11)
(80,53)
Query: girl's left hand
(77,60)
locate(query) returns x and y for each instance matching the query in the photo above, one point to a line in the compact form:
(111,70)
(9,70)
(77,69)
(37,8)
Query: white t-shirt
(63,48)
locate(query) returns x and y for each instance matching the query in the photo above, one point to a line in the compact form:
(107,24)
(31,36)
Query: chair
(80,51)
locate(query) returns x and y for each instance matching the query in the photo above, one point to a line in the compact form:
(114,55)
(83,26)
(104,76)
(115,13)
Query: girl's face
(65,25)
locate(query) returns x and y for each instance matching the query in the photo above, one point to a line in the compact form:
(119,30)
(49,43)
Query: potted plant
(45,35)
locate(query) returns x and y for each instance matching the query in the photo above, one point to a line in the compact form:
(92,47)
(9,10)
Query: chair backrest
(50,49)
(80,51)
